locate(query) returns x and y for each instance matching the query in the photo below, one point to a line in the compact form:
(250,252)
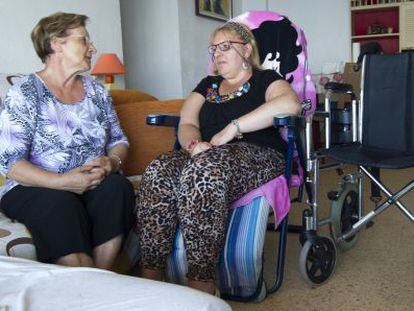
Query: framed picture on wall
(217,9)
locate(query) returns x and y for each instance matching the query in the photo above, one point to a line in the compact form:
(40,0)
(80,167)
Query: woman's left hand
(200,147)
(102,162)
(224,136)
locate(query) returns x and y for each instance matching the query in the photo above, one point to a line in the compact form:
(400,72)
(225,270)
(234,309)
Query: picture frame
(216,9)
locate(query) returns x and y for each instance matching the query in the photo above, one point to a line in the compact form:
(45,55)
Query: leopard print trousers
(195,193)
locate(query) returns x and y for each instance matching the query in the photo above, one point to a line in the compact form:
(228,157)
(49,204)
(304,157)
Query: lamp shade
(108,64)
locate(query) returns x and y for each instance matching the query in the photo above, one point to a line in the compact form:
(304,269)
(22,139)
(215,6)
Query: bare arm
(280,99)
(118,152)
(77,180)
(189,127)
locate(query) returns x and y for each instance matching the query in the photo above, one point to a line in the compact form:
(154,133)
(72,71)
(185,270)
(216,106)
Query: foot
(204,286)
(156,275)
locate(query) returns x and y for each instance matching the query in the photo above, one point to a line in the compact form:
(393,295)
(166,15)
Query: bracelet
(118,159)
(191,144)
(239,134)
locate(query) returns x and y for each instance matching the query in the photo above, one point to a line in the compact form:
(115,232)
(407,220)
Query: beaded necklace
(214,96)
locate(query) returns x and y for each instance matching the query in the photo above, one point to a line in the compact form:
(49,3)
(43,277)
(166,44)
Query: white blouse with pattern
(37,127)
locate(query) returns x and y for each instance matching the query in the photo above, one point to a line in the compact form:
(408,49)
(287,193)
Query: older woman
(230,148)
(61,149)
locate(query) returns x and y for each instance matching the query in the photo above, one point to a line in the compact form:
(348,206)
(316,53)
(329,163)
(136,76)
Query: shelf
(375,6)
(381,35)
(396,17)
(362,21)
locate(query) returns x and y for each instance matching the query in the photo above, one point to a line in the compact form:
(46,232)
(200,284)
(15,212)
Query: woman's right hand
(82,179)
(200,147)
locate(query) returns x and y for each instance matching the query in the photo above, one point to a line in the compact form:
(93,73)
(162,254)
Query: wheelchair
(240,271)
(381,138)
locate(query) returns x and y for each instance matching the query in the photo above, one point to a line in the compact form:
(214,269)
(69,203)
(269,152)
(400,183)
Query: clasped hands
(89,175)
(224,136)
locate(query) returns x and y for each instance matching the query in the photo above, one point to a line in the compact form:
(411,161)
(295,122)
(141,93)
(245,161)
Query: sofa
(145,144)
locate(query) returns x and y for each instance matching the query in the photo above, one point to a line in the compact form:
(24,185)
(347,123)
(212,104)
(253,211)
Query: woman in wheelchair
(230,148)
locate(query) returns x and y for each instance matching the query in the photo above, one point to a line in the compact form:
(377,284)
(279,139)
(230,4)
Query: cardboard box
(352,75)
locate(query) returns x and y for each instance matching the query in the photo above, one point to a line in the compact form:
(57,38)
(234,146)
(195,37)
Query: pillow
(130,96)
(15,239)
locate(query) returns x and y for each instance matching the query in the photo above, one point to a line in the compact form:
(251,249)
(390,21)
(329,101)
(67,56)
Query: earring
(245,65)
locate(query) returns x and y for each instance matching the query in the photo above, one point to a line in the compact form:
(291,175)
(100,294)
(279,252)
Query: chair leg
(280,256)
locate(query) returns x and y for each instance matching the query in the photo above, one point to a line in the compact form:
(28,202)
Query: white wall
(18,17)
(152,47)
(246,5)
(165,49)
(194,36)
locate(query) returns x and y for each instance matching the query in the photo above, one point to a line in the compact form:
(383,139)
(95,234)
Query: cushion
(15,239)
(241,261)
(146,142)
(32,286)
(129,96)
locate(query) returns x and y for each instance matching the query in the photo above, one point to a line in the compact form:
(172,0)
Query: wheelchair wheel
(317,260)
(344,213)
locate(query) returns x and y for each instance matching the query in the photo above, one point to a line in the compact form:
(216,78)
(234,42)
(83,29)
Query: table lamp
(108,65)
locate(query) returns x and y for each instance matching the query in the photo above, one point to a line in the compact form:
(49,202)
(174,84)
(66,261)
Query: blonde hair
(245,34)
(55,25)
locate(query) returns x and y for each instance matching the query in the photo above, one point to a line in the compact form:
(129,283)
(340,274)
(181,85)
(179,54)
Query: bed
(32,286)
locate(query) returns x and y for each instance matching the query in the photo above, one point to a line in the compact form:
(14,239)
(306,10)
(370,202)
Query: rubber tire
(303,261)
(336,214)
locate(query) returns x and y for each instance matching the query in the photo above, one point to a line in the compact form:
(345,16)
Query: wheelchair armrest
(339,87)
(166,120)
(321,113)
(289,121)
(163,120)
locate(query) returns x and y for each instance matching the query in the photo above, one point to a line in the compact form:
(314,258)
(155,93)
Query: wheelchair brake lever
(306,106)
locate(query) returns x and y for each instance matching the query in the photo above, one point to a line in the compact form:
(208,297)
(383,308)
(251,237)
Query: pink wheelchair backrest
(283,48)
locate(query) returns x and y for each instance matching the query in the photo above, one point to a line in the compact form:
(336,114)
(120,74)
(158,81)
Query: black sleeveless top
(215,116)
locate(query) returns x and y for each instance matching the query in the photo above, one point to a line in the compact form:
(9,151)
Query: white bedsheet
(27,285)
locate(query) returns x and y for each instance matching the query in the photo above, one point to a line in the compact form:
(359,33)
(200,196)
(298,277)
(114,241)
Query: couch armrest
(146,142)
(120,97)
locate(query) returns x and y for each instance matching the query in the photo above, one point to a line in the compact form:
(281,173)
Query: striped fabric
(177,261)
(241,260)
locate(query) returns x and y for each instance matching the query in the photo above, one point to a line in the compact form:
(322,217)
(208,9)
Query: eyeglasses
(85,39)
(223,46)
